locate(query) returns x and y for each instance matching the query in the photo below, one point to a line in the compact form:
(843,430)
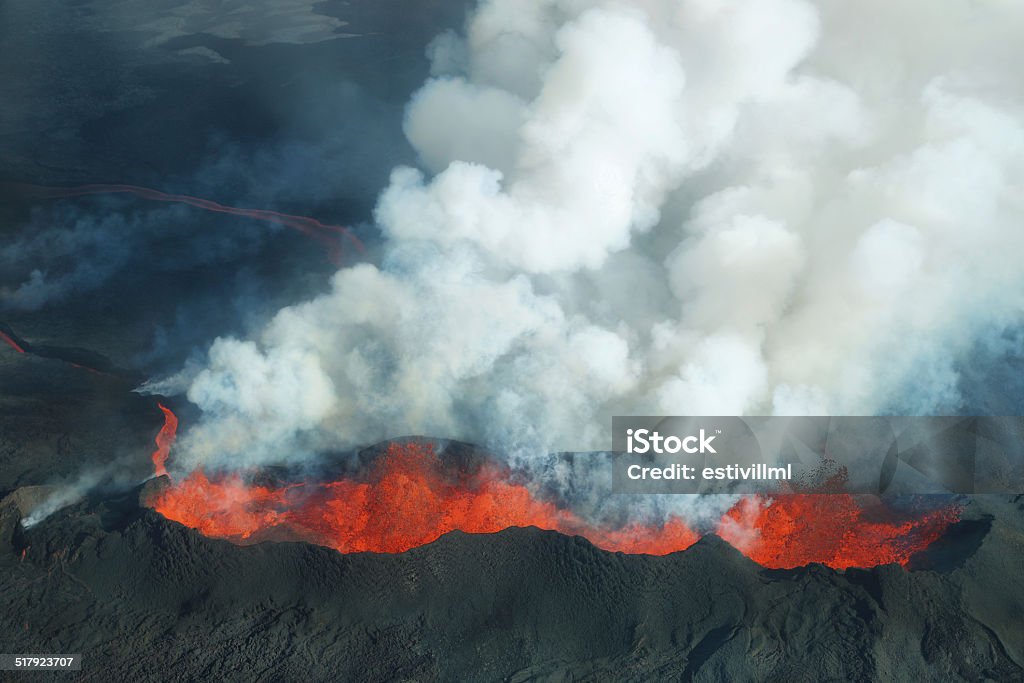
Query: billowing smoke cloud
(659,207)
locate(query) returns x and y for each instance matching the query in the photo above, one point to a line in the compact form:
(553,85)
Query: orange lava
(10,342)
(164,441)
(410,497)
(407,500)
(837,530)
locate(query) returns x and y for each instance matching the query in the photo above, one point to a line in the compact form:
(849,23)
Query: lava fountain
(164,441)
(410,497)
(407,499)
(836,529)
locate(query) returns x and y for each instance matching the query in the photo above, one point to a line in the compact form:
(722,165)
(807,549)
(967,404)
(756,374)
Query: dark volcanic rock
(72,429)
(62,424)
(147,599)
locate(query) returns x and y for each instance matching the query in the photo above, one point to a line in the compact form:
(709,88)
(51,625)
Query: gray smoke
(653,207)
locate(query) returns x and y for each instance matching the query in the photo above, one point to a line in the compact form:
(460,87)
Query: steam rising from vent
(709,207)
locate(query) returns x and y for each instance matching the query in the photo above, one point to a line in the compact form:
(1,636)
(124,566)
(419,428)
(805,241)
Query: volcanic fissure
(409,497)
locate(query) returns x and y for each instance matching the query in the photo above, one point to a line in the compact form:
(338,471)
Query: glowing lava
(326,234)
(835,529)
(164,441)
(407,500)
(410,497)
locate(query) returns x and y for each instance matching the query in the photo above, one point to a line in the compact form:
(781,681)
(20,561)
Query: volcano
(314,315)
(411,496)
(111,576)
(464,571)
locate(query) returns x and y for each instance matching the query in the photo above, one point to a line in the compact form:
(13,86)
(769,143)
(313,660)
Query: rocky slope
(147,599)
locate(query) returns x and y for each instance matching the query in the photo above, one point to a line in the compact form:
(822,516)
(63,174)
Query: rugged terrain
(306,115)
(143,598)
(147,599)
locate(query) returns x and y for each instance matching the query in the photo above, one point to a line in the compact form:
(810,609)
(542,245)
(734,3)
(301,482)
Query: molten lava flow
(13,344)
(327,235)
(164,440)
(227,508)
(407,500)
(410,498)
(838,530)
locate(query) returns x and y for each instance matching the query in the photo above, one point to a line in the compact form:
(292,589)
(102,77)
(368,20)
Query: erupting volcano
(410,497)
(328,235)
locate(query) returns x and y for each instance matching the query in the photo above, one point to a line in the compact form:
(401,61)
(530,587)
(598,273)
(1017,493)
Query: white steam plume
(660,207)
